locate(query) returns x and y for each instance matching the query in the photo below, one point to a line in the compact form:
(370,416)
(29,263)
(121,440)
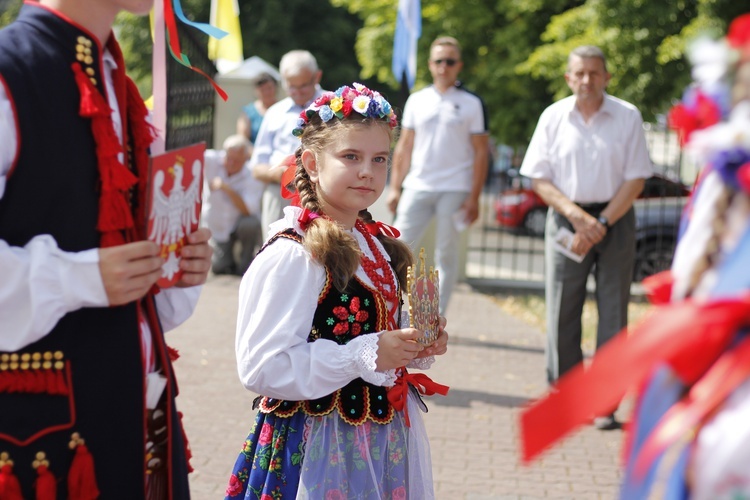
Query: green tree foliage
(645,43)
(270,29)
(134,34)
(496,36)
(515,52)
(9,10)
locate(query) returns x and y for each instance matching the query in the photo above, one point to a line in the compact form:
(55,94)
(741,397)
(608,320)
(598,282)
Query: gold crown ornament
(424,300)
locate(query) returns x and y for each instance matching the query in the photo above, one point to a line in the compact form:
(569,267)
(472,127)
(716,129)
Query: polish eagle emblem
(174,211)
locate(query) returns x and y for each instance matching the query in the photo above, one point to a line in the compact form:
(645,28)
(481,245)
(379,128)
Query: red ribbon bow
(287,180)
(306,217)
(424,384)
(377,227)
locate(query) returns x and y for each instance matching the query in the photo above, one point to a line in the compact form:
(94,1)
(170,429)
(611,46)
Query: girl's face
(350,174)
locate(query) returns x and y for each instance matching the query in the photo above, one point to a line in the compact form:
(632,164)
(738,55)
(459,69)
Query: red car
(520,208)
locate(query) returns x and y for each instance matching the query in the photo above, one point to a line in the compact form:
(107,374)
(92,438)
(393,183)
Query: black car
(657,223)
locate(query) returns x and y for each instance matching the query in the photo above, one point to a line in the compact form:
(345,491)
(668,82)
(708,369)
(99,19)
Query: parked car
(657,211)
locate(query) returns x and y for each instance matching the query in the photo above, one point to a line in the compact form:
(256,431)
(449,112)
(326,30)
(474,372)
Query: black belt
(593,207)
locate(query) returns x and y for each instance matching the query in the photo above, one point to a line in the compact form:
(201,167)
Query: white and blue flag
(408,31)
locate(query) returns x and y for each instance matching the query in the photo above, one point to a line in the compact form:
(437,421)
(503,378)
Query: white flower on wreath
(360,104)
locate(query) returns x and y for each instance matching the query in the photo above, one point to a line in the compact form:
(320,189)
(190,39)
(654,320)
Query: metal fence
(506,248)
(190,96)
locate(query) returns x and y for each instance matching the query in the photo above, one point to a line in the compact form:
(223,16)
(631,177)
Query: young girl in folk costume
(690,360)
(318,332)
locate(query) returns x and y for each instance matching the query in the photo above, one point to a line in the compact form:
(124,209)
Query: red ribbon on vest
(687,335)
(424,384)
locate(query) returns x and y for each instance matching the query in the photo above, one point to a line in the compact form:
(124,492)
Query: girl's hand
(396,348)
(440,346)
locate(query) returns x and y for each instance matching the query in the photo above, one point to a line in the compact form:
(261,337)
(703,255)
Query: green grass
(530,308)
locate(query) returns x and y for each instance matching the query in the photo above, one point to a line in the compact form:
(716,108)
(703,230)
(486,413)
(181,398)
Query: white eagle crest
(174,214)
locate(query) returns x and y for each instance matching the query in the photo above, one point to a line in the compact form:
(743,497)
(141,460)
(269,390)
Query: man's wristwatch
(603,221)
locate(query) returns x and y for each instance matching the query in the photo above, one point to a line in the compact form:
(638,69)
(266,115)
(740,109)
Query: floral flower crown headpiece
(713,118)
(340,104)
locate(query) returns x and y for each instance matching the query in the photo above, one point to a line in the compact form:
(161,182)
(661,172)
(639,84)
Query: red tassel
(116,180)
(173,354)
(188,451)
(54,382)
(81,477)
(40,383)
(13,382)
(10,488)
(62,387)
(114,212)
(45,484)
(142,134)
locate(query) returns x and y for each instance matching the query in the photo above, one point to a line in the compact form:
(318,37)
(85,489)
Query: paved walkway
(495,363)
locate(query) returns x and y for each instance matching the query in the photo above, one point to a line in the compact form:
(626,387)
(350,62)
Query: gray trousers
(273,207)
(247,233)
(565,290)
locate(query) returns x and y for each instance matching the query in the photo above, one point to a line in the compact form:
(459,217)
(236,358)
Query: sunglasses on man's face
(448,62)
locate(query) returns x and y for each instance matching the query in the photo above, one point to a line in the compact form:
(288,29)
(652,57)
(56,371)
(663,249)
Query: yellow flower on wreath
(336,104)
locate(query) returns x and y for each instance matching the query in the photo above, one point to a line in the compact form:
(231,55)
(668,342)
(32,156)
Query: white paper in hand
(564,242)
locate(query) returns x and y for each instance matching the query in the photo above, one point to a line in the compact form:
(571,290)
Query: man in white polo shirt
(588,161)
(440,162)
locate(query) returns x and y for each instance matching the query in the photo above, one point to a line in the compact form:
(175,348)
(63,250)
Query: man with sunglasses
(440,162)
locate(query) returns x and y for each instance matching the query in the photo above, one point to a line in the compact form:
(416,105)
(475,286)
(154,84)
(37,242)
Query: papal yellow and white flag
(227,52)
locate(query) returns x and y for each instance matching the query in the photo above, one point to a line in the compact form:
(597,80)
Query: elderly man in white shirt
(231,205)
(275,142)
(588,161)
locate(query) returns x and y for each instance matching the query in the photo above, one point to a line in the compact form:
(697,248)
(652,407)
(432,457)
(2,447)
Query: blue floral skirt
(326,458)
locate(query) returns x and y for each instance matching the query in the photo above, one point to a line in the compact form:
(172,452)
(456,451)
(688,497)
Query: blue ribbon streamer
(204,27)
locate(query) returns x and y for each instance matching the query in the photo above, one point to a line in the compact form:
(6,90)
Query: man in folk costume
(81,325)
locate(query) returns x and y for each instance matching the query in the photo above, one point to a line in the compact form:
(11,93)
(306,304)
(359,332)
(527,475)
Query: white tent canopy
(238,84)
(250,69)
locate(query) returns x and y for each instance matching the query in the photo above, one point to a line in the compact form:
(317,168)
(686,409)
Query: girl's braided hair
(326,240)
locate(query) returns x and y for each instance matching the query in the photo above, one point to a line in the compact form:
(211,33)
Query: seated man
(231,206)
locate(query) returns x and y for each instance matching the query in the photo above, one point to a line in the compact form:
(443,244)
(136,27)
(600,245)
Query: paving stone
(494,365)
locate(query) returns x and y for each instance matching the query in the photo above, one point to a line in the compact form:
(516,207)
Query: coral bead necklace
(379,271)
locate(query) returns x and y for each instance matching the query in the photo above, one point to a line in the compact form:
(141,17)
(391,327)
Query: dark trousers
(247,233)
(565,290)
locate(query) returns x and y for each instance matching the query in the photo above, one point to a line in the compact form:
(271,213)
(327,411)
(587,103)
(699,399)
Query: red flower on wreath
(351,319)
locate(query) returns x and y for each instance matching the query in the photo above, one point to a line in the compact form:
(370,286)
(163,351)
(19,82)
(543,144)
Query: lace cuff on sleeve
(421,363)
(364,349)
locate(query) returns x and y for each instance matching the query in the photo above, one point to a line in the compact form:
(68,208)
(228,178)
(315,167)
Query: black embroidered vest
(340,317)
(94,353)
